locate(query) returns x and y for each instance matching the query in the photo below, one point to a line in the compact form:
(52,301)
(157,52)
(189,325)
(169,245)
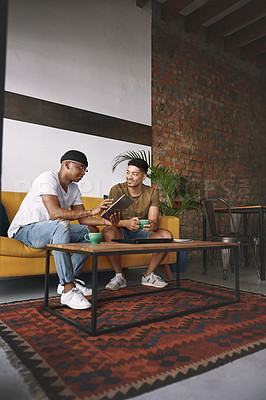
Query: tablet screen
(119,205)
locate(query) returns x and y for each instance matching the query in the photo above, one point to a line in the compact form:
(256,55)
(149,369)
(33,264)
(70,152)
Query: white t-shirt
(32,208)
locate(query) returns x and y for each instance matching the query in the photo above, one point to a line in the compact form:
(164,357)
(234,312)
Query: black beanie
(75,155)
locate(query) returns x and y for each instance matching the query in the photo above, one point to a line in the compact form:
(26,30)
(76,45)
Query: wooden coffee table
(109,249)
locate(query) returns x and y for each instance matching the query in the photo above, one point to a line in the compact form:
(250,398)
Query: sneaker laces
(117,279)
(155,277)
(77,292)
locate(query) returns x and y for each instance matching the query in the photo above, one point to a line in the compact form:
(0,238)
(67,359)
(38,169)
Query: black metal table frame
(260,210)
(93,331)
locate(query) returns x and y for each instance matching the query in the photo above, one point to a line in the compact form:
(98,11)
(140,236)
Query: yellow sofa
(17,259)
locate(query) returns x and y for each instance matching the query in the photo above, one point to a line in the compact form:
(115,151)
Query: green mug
(143,223)
(94,238)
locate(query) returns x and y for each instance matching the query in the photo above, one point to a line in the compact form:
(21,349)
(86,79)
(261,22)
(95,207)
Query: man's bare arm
(153,217)
(77,212)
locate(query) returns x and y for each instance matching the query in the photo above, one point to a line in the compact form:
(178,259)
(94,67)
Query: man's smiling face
(134,176)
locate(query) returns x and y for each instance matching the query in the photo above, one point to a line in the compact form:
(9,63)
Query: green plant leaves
(128,155)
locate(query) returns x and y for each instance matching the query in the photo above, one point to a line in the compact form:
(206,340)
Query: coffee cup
(94,238)
(143,222)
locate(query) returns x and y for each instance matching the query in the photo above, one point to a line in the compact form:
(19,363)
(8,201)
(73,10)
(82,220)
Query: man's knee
(62,232)
(111,232)
(162,233)
(167,234)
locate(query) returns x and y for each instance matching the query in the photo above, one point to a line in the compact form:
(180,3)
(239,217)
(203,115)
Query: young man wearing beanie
(53,200)
(145,206)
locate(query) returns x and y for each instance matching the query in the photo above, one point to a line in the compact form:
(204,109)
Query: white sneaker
(75,299)
(118,282)
(153,280)
(79,285)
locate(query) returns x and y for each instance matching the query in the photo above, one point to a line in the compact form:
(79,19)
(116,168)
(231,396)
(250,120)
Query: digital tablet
(119,205)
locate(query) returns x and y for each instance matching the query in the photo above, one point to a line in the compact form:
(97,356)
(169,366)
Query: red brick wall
(209,121)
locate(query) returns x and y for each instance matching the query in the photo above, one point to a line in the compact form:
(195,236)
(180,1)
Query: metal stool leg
(225,259)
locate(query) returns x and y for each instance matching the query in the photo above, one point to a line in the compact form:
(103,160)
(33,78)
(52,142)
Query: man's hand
(153,226)
(114,219)
(102,206)
(131,224)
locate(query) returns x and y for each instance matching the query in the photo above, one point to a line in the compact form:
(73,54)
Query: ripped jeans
(39,234)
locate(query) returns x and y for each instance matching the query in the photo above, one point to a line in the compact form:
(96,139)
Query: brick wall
(209,112)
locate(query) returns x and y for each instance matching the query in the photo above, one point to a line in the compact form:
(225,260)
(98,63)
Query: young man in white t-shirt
(54,199)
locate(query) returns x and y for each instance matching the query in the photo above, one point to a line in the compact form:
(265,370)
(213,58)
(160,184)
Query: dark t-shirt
(142,203)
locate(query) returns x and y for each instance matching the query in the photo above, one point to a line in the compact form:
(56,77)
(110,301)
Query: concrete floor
(243,379)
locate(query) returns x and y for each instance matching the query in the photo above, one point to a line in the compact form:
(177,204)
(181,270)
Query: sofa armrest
(170,223)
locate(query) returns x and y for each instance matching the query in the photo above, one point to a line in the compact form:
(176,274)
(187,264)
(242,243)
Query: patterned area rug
(69,364)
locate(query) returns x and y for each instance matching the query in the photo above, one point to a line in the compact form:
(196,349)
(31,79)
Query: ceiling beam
(206,12)
(245,35)
(253,49)
(141,3)
(261,61)
(172,7)
(233,21)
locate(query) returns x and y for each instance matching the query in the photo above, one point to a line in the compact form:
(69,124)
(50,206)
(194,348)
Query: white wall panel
(38,148)
(90,54)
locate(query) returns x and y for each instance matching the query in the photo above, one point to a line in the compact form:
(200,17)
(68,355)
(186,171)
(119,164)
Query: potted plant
(175,191)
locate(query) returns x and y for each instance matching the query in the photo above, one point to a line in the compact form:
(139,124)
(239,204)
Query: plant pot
(183,262)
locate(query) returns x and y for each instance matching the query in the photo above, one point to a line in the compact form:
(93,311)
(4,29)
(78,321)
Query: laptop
(142,241)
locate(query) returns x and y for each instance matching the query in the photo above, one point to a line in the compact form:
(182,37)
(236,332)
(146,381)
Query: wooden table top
(104,247)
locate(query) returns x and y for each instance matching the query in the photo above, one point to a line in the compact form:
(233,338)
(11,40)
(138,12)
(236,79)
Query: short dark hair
(141,164)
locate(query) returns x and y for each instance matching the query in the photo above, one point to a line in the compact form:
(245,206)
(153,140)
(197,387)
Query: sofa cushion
(14,248)
(4,221)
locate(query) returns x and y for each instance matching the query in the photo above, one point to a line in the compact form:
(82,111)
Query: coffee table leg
(94,295)
(46,284)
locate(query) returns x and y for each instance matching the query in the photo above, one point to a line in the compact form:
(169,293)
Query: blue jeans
(39,234)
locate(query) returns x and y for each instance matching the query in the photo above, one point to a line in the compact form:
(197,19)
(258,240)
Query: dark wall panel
(41,112)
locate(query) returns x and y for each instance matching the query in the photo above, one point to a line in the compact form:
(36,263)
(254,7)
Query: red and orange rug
(69,364)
